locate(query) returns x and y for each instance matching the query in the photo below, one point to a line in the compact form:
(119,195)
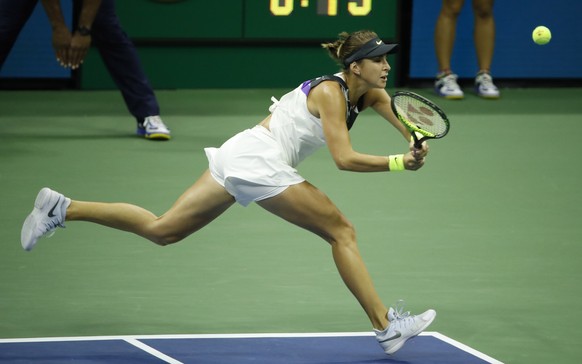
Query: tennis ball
(541,35)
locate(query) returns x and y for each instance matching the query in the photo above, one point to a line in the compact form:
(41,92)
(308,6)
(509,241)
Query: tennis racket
(422,117)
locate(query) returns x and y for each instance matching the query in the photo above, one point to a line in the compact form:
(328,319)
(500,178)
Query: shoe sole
(25,235)
(158,136)
(450,97)
(141,132)
(488,97)
(453,97)
(399,345)
(41,200)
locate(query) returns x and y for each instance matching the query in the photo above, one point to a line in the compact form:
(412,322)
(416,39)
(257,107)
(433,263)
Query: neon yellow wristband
(396,162)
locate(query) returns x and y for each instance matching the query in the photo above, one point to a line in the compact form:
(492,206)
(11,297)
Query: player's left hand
(419,153)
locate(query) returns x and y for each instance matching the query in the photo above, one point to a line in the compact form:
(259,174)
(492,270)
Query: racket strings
(421,115)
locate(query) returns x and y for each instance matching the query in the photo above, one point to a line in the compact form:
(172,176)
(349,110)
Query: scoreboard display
(251,34)
(318,19)
(257,19)
(324,7)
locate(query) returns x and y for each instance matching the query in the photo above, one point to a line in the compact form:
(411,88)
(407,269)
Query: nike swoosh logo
(378,42)
(50,213)
(393,337)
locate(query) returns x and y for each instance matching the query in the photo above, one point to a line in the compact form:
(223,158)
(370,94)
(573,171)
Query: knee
(164,239)
(452,8)
(483,9)
(344,234)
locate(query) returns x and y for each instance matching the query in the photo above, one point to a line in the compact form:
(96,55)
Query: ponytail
(347,44)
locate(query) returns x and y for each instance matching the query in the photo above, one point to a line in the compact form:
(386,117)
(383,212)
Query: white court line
(464,347)
(134,340)
(184,336)
(148,349)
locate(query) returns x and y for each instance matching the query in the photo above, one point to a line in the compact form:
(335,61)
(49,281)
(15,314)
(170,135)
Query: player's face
(375,71)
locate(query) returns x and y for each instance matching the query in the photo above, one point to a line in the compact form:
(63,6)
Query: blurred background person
(484,37)
(96,22)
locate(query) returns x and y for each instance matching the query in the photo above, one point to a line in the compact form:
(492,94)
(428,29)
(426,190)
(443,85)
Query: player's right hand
(419,153)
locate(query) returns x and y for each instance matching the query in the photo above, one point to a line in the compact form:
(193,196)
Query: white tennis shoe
(49,212)
(485,87)
(446,86)
(401,327)
(154,128)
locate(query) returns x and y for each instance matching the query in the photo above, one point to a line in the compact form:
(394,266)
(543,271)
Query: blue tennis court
(312,348)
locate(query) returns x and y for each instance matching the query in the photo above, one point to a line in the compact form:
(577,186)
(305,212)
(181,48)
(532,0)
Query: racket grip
(417,142)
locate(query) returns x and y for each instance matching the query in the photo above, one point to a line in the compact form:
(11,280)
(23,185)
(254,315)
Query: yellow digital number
(281,10)
(324,7)
(360,7)
(331,7)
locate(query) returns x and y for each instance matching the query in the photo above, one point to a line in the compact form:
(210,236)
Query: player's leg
(484,35)
(306,206)
(444,40)
(122,61)
(200,204)
(445,32)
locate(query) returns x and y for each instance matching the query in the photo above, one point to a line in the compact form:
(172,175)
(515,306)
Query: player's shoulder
(328,88)
(328,97)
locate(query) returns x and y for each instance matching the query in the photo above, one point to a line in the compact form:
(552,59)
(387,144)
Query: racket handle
(417,142)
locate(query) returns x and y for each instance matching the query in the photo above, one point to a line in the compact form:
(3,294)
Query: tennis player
(258,164)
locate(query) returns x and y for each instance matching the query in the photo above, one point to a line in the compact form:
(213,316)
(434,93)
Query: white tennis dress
(256,163)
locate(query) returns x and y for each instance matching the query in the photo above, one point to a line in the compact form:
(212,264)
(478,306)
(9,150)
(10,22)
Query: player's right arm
(327,102)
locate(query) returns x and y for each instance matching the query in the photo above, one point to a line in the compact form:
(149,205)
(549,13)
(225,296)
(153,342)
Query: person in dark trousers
(96,23)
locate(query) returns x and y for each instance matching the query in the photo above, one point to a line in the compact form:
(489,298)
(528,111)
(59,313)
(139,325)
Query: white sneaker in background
(154,128)
(485,87)
(446,86)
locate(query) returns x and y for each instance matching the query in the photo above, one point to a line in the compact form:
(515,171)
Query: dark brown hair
(348,43)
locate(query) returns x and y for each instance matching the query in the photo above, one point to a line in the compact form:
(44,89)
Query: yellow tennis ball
(541,35)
